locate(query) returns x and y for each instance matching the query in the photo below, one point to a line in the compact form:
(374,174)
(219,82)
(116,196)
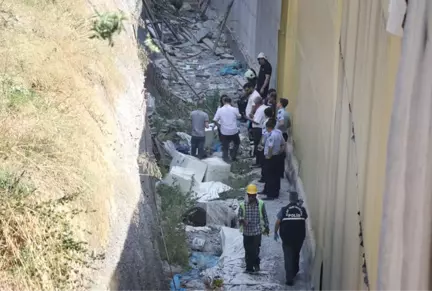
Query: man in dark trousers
(254,223)
(291,223)
(268,112)
(200,121)
(258,124)
(274,147)
(264,75)
(226,119)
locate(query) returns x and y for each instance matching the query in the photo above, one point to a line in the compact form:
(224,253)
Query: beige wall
(339,68)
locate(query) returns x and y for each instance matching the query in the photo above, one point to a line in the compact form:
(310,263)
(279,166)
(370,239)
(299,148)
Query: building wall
(338,67)
(255,25)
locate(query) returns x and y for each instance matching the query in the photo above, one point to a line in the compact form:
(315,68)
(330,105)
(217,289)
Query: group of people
(290,227)
(269,128)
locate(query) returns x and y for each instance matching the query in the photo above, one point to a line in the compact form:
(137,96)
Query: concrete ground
(271,251)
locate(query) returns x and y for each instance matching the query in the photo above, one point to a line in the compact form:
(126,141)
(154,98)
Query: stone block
(190,163)
(182,177)
(217,170)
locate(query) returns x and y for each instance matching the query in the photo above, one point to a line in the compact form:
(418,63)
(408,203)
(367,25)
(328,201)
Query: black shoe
(249,271)
(257,268)
(289,283)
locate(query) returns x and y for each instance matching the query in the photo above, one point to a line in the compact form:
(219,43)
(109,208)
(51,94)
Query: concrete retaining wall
(254,25)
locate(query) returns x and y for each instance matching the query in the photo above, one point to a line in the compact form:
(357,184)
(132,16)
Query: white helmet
(261,56)
(249,74)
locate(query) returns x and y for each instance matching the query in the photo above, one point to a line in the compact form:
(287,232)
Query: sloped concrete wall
(254,25)
(132,260)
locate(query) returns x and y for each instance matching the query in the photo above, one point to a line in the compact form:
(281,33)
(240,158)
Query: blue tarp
(183,148)
(198,262)
(175,284)
(236,68)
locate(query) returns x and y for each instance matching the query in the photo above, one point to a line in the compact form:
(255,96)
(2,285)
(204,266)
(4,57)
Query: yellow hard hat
(251,189)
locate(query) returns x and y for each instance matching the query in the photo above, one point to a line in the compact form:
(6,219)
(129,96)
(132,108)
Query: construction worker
(264,75)
(273,149)
(291,224)
(253,224)
(251,77)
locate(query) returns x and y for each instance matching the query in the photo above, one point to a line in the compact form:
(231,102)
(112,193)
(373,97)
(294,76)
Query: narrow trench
(207,233)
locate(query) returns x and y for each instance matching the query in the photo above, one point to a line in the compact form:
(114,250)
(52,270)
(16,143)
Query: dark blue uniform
(292,232)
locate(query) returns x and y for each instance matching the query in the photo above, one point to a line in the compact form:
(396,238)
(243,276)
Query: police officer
(268,112)
(253,223)
(291,221)
(274,147)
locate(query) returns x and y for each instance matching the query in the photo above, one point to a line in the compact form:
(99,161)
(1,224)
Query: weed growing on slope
(105,25)
(37,243)
(174,204)
(56,85)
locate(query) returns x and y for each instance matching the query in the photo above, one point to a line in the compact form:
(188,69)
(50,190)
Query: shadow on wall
(308,250)
(140,266)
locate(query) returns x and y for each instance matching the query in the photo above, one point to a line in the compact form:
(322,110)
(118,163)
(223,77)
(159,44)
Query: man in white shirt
(226,119)
(251,94)
(258,123)
(247,102)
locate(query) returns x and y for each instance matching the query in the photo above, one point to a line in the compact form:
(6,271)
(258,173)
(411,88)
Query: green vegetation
(105,25)
(37,241)
(56,88)
(174,204)
(16,95)
(217,283)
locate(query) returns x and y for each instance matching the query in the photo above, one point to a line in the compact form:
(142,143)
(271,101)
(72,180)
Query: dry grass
(51,127)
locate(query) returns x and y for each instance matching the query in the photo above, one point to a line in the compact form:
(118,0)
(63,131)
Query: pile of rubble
(190,64)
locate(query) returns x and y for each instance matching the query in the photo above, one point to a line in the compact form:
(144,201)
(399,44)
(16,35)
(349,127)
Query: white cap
(249,74)
(262,56)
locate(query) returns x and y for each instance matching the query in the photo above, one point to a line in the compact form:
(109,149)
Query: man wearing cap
(253,223)
(251,77)
(291,222)
(264,75)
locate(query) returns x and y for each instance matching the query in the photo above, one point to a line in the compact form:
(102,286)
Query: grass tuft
(38,247)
